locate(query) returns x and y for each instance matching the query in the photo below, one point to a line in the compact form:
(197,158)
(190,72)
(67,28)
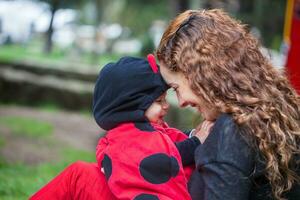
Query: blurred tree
(257,13)
(100,7)
(114,10)
(179,6)
(139,15)
(147,44)
(54,6)
(196,4)
(267,16)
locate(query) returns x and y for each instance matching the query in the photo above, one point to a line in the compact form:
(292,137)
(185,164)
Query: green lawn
(29,52)
(33,51)
(27,127)
(18,180)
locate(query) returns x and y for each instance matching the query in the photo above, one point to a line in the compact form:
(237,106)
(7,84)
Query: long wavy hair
(224,65)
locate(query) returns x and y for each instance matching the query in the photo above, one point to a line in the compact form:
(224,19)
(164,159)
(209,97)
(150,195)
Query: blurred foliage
(147,45)
(139,15)
(33,52)
(2,141)
(48,107)
(27,127)
(267,16)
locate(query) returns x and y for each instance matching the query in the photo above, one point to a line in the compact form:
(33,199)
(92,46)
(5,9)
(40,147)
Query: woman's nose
(181,102)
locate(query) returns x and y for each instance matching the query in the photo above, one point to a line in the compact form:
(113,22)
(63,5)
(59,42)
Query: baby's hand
(203,130)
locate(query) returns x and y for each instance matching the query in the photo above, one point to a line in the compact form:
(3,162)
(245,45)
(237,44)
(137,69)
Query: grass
(49,107)
(2,141)
(27,127)
(19,181)
(18,52)
(33,51)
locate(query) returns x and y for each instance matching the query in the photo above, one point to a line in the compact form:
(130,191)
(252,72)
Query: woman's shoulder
(227,132)
(226,144)
(224,118)
(225,123)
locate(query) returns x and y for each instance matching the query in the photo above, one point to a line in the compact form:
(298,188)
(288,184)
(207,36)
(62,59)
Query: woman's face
(185,95)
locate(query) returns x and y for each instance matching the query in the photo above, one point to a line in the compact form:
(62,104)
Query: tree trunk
(196,4)
(179,6)
(48,44)
(99,16)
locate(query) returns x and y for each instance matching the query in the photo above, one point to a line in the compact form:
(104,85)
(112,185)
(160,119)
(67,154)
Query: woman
(215,64)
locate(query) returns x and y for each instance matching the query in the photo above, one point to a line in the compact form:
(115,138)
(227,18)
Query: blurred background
(52,50)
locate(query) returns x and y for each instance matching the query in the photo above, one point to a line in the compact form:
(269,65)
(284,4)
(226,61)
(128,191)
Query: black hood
(124,90)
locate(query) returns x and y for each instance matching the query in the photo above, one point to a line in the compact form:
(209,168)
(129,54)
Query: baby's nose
(166,106)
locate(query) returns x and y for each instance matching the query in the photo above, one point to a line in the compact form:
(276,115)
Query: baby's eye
(175,89)
(158,101)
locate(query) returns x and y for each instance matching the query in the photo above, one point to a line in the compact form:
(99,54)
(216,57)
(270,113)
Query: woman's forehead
(168,75)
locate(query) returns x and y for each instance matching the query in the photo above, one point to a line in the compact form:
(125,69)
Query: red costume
(141,163)
(79,181)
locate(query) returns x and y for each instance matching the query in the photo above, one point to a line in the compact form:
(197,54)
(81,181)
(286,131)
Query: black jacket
(228,168)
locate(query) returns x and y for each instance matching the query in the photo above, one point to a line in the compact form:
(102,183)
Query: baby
(140,155)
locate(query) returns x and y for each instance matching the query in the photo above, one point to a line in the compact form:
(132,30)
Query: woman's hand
(203,130)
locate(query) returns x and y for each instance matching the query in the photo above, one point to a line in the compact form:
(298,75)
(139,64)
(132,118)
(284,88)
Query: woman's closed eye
(161,100)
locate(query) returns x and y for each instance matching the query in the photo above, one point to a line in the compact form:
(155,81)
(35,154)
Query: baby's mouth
(161,117)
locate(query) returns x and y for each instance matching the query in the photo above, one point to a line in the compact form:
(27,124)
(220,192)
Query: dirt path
(71,129)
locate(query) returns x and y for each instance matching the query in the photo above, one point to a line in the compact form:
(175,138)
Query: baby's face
(159,108)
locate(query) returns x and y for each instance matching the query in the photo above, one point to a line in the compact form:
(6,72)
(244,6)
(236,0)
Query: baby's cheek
(153,119)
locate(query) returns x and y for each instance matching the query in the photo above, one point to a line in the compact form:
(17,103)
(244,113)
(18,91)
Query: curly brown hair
(225,66)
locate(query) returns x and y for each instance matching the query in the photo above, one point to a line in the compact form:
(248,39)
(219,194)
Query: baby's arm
(187,147)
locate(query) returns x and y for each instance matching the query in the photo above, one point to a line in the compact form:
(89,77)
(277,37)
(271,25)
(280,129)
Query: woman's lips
(193,105)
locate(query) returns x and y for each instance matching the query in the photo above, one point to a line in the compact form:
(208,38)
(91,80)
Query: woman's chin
(211,116)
